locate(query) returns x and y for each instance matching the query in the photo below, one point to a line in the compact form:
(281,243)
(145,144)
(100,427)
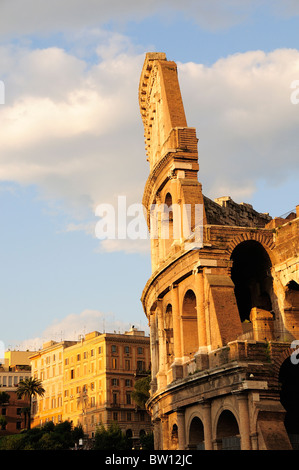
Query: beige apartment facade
(92,381)
(47,365)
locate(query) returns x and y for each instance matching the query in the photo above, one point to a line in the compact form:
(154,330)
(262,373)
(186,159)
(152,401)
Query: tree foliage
(4,398)
(141,391)
(50,436)
(111,438)
(29,388)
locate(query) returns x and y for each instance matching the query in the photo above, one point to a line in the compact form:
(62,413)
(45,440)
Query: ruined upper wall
(170,143)
(162,110)
(224,211)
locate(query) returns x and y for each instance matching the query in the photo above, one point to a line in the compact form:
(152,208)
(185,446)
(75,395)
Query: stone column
(176,324)
(181,429)
(154,350)
(207,425)
(161,377)
(165,432)
(244,422)
(157,434)
(200,306)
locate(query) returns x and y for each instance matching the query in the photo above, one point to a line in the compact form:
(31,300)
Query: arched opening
(196,434)
(168,326)
(252,278)
(174,438)
(291,305)
(228,431)
(167,223)
(289,379)
(189,319)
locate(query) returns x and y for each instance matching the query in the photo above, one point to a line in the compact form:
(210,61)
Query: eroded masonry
(224,316)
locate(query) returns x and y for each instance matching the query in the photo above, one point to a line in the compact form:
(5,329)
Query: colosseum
(222,301)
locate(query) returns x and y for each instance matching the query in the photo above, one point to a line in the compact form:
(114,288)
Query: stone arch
(251,274)
(227,431)
(174,437)
(291,308)
(167,220)
(279,359)
(168,327)
(189,323)
(265,239)
(196,434)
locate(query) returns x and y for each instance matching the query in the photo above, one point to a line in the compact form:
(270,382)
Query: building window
(114,398)
(127,349)
(115,416)
(129,416)
(72,374)
(140,366)
(128,383)
(114,382)
(114,363)
(113,348)
(127,364)
(78,357)
(140,350)
(128,398)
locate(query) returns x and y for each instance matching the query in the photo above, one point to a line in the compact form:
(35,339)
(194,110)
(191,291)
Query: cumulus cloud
(73,326)
(70,16)
(68,128)
(246,123)
(74,129)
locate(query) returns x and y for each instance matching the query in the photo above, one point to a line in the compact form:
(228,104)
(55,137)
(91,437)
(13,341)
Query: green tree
(110,439)
(4,398)
(50,436)
(141,391)
(29,388)
(147,441)
(3,422)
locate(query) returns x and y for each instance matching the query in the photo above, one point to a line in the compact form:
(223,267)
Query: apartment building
(14,369)
(47,366)
(90,382)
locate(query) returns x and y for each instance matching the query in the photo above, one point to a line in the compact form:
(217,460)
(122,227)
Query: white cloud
(72,326)
(246,124)
(73,16)
(74,129)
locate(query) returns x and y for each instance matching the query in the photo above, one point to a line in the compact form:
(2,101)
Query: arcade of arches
(223,313)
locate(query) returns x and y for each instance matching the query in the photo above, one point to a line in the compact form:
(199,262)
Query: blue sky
(72,138)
